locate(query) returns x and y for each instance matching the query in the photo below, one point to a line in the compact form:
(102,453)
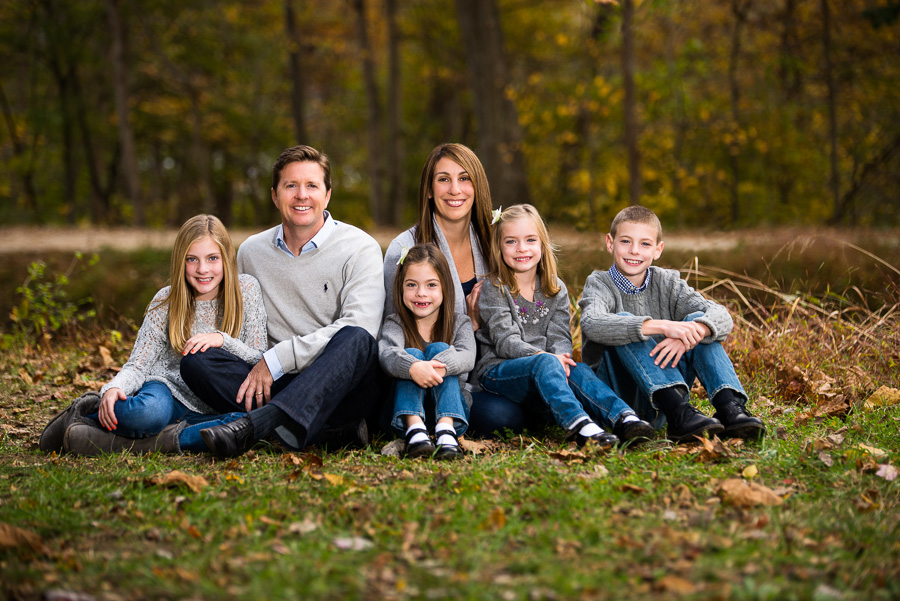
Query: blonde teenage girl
(421,346)
(147,405)
(526,344)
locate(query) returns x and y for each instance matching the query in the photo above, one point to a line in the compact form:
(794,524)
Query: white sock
(421,436)
(590,429)
(630,418)
(444,439)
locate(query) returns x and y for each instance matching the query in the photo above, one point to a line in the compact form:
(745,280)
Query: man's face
(634,249)
(301,195)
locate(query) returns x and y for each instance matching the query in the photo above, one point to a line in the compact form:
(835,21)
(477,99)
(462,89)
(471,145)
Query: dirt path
(20,239)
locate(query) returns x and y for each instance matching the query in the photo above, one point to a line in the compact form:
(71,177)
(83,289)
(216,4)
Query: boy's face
(634,249)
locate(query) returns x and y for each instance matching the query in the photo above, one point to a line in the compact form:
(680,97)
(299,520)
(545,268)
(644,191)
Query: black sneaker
(687,422)
(633,432)
(738,422)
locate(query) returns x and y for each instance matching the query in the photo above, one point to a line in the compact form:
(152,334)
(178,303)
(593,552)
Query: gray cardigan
(667,297)
(459,358)
(408,239)
(506,335)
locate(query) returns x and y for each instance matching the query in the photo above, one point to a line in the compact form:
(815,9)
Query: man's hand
(690,333)
(428,373)
(257,388)
(107,411)
(669,350)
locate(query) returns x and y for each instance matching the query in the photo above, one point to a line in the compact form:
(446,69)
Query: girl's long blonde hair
(501,274)
(180,301)
(446,321)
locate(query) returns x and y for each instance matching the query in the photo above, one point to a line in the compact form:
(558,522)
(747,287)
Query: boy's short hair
(636,214)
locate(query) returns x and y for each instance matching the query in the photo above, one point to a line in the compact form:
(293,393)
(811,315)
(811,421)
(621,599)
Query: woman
(455,214)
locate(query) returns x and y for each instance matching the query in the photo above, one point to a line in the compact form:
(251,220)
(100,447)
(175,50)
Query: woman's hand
(201,342)
(567,362)
(107,413)
(472,306)
(428,373)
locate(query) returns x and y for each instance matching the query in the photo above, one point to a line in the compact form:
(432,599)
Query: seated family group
(306,335)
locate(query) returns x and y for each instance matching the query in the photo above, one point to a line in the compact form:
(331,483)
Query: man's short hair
(636,214)
(301,154)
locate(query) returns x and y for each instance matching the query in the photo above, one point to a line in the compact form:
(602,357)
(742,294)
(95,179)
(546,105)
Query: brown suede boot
(85,439)
(53,435)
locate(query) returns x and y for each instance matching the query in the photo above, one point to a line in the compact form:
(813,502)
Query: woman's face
(454,192)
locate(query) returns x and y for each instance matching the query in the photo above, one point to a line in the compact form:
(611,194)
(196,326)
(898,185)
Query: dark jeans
(337,389)
(492,413)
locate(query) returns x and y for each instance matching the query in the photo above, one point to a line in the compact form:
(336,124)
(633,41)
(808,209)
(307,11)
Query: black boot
(633,432)
(230,440)
(685,420)
(738,422)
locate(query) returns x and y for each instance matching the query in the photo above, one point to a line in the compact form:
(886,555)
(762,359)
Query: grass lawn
(811,512)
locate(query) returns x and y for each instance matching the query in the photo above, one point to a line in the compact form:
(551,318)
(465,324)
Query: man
(322,284)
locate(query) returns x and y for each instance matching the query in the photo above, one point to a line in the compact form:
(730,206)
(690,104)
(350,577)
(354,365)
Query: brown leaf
(675,584)
(826,458)
(177,478)
(887,471)
(713,450)
(633,489)
(107,358)
(883,397)
(494,521)
(26,377)
(567,456)
(473,447)
(746,494)
(13,537)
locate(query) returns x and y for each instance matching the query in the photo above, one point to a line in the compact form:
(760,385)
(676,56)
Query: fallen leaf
(304,527)
(886,471)
(494,521)
(675,584)
(354,543)
(633,489)
(473,447)
(567,456)
(746,494)
(13,537)
(177,477)
(873,451)
(750,472)
(882,397)
(334,479)
(106,356)
(26,377)
(826,458)
(394,448)
(713,450)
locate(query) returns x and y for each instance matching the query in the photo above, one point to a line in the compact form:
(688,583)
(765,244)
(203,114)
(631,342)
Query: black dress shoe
(633,432)
(602,440)
(423,448)
(229,440)
(449,452)
(738,422)
(687,421)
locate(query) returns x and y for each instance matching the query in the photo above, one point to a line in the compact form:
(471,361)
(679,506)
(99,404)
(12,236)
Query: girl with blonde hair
(147,406)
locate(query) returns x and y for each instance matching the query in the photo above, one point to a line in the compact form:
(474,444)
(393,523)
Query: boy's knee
(693,316)
(417,353)
(434,348)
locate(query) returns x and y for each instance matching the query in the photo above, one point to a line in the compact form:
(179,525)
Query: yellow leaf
(334,479)
(177,477)
(883,397)
(750,472)
(747,494)
(873,451)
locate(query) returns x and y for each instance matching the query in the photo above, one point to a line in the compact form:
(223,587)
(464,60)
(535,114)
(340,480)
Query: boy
(647,333)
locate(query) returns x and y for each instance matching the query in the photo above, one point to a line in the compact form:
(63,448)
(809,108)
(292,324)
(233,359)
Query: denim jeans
(631,372)
(494,413)
(446,397)
(541,379)
(337,389)
(153,408)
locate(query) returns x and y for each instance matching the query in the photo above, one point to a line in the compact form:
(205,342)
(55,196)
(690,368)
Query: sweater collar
(624,284)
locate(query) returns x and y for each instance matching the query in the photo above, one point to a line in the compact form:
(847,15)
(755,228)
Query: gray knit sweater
(511,331)
(310,297)
(459,358)
(153,360)
(667,297)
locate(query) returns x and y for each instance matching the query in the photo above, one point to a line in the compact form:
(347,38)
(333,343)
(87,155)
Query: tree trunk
(499,133)
(739,10)
(396,197)
(381,214)
(630,108)
(296,68)
(835,180)
(130,172)
(19,151)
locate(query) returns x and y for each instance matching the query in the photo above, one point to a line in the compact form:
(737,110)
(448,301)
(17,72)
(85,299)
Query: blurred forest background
(724,114)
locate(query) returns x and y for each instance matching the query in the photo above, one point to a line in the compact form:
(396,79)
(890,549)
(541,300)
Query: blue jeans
(338,389)
(541,379)
(632,374)
(409,397)
(153,408)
